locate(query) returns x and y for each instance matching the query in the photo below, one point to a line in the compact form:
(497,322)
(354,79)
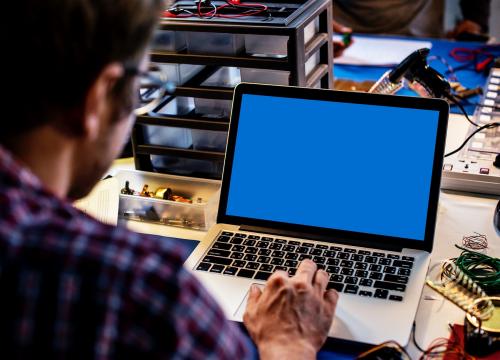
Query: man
(424,18)
(71,287)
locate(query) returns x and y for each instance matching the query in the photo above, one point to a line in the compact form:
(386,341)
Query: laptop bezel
(350,237)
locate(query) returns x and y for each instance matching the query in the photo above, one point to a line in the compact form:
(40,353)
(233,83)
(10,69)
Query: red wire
(214,13)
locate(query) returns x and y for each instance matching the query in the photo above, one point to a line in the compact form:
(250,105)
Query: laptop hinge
(337,240)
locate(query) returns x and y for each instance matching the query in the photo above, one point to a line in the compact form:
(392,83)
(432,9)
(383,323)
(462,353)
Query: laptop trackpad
(238,315)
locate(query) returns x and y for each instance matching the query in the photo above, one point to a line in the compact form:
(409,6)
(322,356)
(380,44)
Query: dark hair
(55,49)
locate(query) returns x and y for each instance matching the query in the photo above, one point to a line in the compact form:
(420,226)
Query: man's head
(69,71)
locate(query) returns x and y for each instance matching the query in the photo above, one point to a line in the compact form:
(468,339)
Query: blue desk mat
(442,48)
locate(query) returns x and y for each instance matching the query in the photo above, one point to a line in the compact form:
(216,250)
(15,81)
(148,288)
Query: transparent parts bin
(166,40)
(213,43)
(199,215)
(179,165)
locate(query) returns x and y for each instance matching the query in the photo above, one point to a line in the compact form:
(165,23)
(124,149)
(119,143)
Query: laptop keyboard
(366,273)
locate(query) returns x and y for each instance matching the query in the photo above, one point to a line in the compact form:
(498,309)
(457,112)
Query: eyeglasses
(153,88)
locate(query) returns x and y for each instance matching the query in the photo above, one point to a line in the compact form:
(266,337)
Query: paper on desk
(102,202)
(378,52)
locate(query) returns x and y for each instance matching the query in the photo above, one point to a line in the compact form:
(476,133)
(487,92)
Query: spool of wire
(480,268)
(475,242)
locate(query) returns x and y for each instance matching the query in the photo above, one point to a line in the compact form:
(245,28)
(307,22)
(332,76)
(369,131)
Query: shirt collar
(12,168)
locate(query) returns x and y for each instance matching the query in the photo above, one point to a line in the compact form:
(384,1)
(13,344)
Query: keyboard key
(249,242)
(329,253)
(253,237)
(289,248)
(381,294)
(291,263)
(263,244)
(392,256)
(267,238)
(303,250)
(319,260)
(316,252)
(361,273)
(402,264)
(291,272)
(236,241)
(293,242)
(356,257)
(389,286)
(217,269)
(278,254)
(333,262)
(384,261)
(342,255)
(239,248)
(351,289)
(227,233)
(350,251)
(283,268)
(250,257)
(252,265)
(291,256)
(304,256)
(337,278)
(374,267)
(365,293)
(396,298)
(335,285)
(203,267)
(346,271)
(404,272)
(265,252)
(264,259)
(251,250)
(240,235)
(262,275)
(266,267)
(379,254)
(360,266)
(376,276)
(408,258)
(389,270)
(280,241)
(321,246)
(370,259)
(230,270)
(396,278)
(320,266)
(218,252)
(277,261)
(275,246)
(364,252)
(239,263)
(333,269)
(366,282)
(222,245)
(347,263)
(351,280)
(310,245)
(217,260)
(335,248)
(223,238)
(237,255)
(246,273)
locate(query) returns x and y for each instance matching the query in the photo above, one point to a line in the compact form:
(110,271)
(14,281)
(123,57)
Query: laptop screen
(334,165)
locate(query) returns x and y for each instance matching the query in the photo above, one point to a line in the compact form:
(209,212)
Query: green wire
(481,268)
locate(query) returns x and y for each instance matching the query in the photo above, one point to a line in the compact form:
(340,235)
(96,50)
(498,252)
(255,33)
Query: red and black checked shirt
(74,288)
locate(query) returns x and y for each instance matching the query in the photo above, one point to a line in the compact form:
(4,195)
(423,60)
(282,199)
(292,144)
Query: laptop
(350,180)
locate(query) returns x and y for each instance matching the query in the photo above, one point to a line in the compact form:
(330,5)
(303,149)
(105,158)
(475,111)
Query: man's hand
(340,46)
(290,319)
(465,26)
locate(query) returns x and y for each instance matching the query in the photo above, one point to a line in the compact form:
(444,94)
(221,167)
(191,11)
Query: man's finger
(331,298)
(321,281)
(253,295)
(306,271)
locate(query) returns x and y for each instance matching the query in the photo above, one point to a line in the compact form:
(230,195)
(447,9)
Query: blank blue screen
(353,167)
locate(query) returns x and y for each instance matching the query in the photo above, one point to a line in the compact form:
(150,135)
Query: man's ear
(97,99)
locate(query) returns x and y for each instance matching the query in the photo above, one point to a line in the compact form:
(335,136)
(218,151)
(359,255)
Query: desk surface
(458,215)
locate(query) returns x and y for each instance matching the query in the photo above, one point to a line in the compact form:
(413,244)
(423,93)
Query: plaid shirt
(72,287)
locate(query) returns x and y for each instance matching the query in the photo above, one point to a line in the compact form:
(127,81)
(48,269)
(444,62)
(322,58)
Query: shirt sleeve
(477,11)
(203,332)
